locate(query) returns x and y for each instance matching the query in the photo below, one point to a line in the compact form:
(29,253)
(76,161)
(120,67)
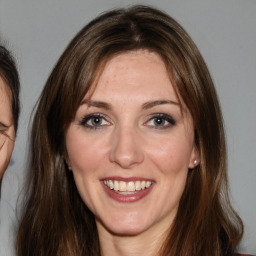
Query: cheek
(2,165)
(5,157)
(171,159)
(86,156)
(84,153)
(171,155)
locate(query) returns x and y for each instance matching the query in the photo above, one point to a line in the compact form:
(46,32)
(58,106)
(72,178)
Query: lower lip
(127,198)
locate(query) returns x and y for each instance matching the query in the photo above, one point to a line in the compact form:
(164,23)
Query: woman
(9,107)
(128,151)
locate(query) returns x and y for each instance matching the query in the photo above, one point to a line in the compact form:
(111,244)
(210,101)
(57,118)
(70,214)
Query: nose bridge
(125,148)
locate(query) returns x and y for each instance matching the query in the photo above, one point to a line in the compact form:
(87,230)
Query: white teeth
(130,186)
(116,185)
(143,184)
(110,184)
(138,185)
(148,184)
(127,187)
(122,186)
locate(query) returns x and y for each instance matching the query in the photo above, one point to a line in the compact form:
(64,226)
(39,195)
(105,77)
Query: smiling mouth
(129,187)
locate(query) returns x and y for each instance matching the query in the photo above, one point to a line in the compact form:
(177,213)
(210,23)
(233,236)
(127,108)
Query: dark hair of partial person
(9,74)
(55,220)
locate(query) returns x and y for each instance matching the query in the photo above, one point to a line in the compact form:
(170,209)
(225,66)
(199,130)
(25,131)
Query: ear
(66,160)
(194,158)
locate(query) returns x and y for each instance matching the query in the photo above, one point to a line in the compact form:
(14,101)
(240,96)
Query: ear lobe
(67,162)
(195,158)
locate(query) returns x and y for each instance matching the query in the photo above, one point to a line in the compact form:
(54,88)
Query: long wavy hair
(55,220)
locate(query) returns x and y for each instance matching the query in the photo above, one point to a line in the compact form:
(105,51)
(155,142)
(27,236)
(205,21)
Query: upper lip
(126,179)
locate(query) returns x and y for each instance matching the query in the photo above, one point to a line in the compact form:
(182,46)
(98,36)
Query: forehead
(134,73)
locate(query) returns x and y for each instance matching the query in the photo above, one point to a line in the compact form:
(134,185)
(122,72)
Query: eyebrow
(97,104)
(152,104)
(146,105)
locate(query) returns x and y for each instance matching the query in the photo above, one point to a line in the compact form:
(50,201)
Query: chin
(124,226)
(126,230)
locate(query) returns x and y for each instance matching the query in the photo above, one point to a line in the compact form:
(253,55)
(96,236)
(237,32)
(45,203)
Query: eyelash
(86,119)
(102,118)
(163,117)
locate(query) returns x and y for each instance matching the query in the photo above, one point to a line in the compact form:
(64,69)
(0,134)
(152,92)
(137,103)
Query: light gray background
(224,30)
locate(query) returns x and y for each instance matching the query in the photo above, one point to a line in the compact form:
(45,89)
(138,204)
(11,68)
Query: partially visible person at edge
(128,153)
(9,108)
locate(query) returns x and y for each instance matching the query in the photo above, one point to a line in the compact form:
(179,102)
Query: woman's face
(130,146)
(6,127)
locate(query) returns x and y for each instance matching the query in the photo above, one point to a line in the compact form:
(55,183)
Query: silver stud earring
(195,162)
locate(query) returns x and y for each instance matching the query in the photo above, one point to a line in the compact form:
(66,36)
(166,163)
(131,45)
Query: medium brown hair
(9,74)
(55,220)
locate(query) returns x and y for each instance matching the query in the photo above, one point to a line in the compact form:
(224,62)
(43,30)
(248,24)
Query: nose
(126,150)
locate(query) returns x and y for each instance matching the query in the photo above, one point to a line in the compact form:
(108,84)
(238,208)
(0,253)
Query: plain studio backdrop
(224,30)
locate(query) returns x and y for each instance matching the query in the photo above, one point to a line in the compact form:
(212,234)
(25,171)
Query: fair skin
(130,148)
(6,126)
